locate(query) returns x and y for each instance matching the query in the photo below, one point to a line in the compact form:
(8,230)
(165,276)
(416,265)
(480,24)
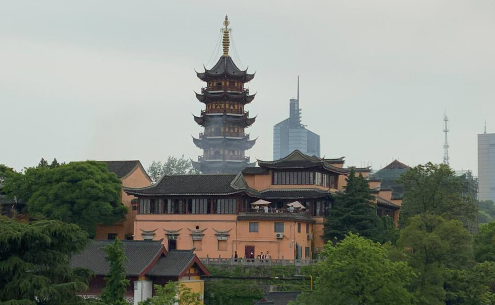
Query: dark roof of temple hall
(122,168)
(139,255)
(298,160)
(176,263)
(225,67)
(211,184)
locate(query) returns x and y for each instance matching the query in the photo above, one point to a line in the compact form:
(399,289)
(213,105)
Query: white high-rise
(486,166)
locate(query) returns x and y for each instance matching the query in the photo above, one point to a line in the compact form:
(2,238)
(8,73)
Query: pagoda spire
(226,34)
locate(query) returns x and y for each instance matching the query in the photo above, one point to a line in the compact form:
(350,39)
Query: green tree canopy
(486,211)
(116,282)
(173,166)
(173,293)
(84,193)
(34,262)
(357,271)
(474,286)
(354,211)
(433,246)
(433,188)
(484,243)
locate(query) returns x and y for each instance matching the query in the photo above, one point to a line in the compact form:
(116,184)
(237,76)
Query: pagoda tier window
(198,206)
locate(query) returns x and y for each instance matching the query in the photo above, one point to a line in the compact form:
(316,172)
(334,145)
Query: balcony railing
(225,134)
(221,157)
(258,262)
(224,111)
(220,88)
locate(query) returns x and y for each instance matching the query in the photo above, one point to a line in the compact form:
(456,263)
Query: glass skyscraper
(486,166)
(291,134)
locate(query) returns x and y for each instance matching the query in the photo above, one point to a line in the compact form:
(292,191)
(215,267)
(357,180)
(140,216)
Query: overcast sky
(114,80)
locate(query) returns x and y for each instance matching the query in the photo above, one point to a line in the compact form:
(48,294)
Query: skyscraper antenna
(485,126)
(298,90)
(446,144)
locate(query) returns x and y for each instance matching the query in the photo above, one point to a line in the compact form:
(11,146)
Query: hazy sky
(113,80)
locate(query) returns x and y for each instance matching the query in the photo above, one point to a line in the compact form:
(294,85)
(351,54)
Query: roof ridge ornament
(226,38)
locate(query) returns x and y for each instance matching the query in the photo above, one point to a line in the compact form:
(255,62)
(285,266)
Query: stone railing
(258,262)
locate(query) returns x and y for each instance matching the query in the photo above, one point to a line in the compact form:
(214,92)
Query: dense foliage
(173,166)
(433,188)
(84,193)
(354,211)
(173,293)
(116,282)
(358,271)
(433,246)
(34,262)
(484,243)
(486,211)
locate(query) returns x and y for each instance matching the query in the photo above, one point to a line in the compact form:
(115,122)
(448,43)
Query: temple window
(279,227)
(225,206)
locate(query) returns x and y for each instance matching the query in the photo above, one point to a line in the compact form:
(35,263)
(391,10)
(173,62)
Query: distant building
(291,134)
(389,175)
(486,166)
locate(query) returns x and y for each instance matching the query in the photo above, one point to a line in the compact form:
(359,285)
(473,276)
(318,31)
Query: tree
(43,163)
(357,271)
(471,287)
(173,166)
(484,243)
(34,262)
(354,211)
(486,211)
(84,193)
(434,246)
(171,294)
(54,163)
(432,188)
(5,173)
(116,282)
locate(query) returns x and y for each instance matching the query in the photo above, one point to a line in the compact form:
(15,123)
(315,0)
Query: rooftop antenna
(446,144)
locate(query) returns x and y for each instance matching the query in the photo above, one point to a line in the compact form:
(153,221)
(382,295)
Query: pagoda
(224,140)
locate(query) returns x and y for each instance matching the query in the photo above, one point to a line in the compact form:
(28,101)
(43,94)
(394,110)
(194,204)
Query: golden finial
(226,40)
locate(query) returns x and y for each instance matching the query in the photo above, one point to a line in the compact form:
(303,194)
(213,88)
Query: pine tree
(43,163)
(116,282)
(354,211)
(34,262)
(54,163)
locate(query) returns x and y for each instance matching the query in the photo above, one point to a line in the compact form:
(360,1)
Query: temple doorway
(249,252)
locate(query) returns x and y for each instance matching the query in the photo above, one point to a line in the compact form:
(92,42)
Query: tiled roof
(298,160)
(294,193)
(139,254)
(122,168)
(396,164)
(211,184)
(225,66)
(279,298)
(385,202)
(173,264)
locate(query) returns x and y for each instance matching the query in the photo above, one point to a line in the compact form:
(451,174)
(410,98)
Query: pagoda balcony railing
(215,88)
(223,111)
(225,134)
(223,158)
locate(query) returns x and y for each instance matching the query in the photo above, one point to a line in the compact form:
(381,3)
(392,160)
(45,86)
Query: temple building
(224,140)
(278,207)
